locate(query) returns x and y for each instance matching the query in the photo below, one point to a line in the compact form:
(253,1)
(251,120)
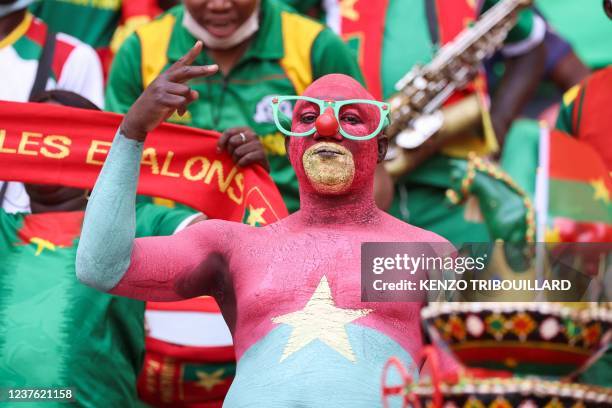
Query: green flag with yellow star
(579,188)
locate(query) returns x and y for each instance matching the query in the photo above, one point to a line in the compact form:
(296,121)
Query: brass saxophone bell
(607,5)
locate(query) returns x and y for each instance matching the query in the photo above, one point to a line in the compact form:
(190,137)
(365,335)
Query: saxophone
(416,113)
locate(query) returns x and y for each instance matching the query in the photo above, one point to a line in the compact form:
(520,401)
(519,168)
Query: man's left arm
(525,56)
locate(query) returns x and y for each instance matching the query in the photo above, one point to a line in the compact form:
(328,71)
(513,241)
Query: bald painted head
(326,162)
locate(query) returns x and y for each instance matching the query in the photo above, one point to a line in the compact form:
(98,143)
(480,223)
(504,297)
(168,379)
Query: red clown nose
(326,124)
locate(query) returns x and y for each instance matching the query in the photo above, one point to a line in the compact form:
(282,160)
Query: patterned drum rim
(475,333)
(525,388)
(557,309)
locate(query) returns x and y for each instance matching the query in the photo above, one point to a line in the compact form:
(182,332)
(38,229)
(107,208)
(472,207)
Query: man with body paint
(290,291)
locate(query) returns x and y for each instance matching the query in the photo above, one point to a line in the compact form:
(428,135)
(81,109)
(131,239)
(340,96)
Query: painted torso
(300,325)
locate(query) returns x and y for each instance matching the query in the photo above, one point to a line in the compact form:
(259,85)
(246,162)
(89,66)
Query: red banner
(48,144)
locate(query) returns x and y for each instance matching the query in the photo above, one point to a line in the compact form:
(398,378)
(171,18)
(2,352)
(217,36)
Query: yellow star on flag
(320,320)
(601,191)
(209,381)
(42,244)
(255,216)
(552,235)
(347,9)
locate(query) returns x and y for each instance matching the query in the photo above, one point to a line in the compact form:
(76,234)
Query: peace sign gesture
(166,94)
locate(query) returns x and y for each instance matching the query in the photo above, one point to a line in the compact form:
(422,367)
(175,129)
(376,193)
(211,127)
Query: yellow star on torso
(255,216)
(601,191)
(209,381)
(320,320)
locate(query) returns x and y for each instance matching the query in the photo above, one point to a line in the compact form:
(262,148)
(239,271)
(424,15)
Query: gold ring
(242,137)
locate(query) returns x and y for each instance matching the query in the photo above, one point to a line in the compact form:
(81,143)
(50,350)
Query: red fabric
(203,304)
(106,58)
(37,32)
(369,29)
(60,56)
(575,160)
(134,8)
(166,378)
(453,17)
(179,163)
(368,26)
(596,114)
(191,353)
(44,226)
(480,353)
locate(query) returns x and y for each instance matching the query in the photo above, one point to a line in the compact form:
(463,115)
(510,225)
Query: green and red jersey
(57,332)
(93,22)
(75,66)
(586,113)
(288,52)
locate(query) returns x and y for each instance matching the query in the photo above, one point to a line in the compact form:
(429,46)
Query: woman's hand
(244,146)
(168,93)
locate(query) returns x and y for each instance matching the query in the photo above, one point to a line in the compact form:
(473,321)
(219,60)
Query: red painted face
(326,162)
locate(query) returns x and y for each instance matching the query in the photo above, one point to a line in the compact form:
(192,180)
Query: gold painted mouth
(329,167)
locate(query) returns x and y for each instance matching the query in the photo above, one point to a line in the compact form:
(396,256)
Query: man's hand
(168,93)
(244,146)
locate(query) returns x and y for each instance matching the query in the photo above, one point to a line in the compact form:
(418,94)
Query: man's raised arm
(107,248)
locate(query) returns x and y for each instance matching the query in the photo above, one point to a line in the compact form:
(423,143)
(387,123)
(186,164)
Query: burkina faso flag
(575,185)
(189,360)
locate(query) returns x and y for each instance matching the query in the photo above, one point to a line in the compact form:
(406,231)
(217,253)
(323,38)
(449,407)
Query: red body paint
(258,274)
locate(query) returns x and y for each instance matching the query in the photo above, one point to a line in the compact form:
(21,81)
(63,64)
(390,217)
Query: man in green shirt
(259,43)
(55,330)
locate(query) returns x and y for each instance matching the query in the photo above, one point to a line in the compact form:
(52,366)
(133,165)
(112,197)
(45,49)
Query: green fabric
(242,97)
(590,210)
(302,6)
(27,49)
(600,373)
(564,120)
(420,199)
(91,22)
(520,155)
(584,24)
(57,332)
(402,24)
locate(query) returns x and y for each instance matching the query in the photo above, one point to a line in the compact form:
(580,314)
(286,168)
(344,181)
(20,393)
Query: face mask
(247,29)
(6,9)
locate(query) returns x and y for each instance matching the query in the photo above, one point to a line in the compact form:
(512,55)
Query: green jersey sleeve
(330,55)
(125,78)
(528,32)
(156,220)
(302,6)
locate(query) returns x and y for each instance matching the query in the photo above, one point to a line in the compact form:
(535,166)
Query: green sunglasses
(282,118)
